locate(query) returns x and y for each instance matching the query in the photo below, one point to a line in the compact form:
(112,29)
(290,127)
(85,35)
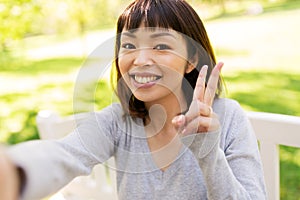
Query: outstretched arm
(51,164)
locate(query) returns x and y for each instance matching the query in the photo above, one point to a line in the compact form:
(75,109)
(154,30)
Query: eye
(162,47)
(128,46)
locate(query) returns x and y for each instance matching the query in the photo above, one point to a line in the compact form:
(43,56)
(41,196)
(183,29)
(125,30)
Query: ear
(192,63)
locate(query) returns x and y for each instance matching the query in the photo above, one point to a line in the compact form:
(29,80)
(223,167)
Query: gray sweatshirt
(224,164)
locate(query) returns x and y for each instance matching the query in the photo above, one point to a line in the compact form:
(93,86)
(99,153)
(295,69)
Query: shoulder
(104,120)
(234,121)
(225,107)
(114,117)
(229,111)
(114,107)
(225,101)
(112,112)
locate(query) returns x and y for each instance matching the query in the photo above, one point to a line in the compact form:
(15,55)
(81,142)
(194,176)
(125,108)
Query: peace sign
(200,116)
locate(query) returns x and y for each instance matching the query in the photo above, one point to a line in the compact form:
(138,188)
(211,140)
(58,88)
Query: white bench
(271,130)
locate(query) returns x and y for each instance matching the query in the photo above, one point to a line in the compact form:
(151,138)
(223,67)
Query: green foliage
(16,20)
(289,173)
(28,131)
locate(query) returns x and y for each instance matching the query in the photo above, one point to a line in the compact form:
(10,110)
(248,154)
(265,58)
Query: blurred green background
(44,45)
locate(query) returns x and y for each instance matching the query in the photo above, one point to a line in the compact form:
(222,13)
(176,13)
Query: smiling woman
(153,62)
(171,135)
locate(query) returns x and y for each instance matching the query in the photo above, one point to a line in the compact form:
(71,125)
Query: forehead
(152,32)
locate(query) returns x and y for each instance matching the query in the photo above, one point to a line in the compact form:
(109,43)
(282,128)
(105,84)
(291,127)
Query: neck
(162,112)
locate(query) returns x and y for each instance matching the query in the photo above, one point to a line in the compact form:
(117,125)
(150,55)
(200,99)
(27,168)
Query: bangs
(150,13)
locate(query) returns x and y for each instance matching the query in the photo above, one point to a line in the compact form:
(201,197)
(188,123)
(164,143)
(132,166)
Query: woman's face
(153,62)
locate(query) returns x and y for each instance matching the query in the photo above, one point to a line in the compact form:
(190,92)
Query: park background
(44,44)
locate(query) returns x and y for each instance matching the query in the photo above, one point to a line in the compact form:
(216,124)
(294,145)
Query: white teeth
(143,79)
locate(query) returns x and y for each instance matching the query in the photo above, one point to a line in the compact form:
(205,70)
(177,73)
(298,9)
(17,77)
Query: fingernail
(220,65)
(203,69)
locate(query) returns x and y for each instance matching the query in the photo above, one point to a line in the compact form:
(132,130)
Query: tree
(16,18)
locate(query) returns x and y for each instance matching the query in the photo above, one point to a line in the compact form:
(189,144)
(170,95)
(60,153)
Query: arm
(48,166)
(51,164)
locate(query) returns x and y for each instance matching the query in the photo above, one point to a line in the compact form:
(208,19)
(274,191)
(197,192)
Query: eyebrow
(155,35)
(129,34)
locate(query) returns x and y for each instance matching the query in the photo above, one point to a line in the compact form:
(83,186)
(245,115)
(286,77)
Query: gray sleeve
(234,172)
(48,166)
(51,164)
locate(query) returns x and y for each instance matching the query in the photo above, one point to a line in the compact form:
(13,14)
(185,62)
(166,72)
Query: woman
(172,135)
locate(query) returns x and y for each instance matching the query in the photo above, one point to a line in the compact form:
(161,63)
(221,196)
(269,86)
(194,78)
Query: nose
(143,57)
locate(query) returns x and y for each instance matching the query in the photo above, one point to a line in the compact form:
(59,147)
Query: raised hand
(200,117)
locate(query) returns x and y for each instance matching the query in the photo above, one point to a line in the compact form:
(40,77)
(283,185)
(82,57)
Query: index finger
(212,84)
(200,84)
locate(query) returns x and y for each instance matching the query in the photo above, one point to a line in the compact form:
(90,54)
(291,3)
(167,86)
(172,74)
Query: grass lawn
(44,85)
(261,55)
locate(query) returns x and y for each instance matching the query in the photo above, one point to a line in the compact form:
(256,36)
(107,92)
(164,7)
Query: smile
(145,79)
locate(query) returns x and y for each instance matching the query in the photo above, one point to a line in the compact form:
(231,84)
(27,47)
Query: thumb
(179,122)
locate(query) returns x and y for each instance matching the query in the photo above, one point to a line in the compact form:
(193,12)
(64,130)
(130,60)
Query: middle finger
(212,84)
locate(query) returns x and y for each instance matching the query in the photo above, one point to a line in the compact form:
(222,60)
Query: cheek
(173,70)
(124,67)
(175,64)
